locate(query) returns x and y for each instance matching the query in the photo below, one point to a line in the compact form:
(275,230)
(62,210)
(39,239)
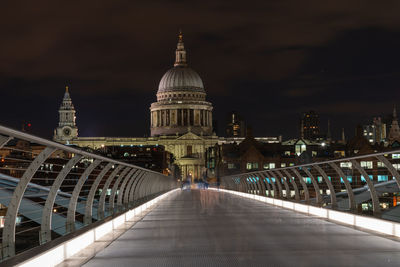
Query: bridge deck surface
(207,228)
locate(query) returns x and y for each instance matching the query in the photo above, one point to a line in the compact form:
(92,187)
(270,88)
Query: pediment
(190,136)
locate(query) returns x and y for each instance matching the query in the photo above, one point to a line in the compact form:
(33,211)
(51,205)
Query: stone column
(151,118)
(174,117)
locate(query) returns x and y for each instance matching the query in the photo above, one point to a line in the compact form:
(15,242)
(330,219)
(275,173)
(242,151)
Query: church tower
(394,134)
(66,129)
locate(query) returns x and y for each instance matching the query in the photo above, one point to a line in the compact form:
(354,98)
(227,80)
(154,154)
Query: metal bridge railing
(365,184)
(48,190)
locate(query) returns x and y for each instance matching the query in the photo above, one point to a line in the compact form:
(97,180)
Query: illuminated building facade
(181,120)
(309,126)
(67,128)
(235,126)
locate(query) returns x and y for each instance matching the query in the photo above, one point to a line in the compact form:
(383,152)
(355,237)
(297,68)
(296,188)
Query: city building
(235,125)
(309,126)
(150,157)
(375,132)
(394,133)
(252,154)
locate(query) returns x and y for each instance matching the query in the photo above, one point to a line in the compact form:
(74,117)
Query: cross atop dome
(180,36)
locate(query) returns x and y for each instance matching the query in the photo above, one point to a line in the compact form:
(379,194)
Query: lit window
(395,156)
(366,164)
(380,164)
(252,165)
(382,178)
(231,166)
(363,179)
(283,165)
(345,165)
(272,165)
(349,178)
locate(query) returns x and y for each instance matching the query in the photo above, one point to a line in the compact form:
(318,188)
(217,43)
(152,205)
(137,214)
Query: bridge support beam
(75,195)
(374,197)
(293,183)
(287,188)
(303,184)
(89,201)
(45,227)
(106,186)
(318,196)
(349,190)
(8,240)
(330,186)
(278,183)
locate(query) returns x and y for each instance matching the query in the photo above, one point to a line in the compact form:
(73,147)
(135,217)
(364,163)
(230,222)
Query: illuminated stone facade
(67,129)
(181,120)
(181,101)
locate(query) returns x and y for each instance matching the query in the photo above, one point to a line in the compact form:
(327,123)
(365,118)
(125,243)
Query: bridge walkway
(208,228)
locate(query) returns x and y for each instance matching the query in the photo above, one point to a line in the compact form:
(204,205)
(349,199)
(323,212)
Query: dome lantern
(180,53)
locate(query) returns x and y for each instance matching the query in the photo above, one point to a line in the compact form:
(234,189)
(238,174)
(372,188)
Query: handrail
(87,196)
(327,179)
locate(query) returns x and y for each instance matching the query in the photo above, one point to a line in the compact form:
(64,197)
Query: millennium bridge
(63,206)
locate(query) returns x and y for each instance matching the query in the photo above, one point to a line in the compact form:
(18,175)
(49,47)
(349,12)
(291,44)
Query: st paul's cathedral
(181,120)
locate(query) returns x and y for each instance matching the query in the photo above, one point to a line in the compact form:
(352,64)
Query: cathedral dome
(181,78)
(181,105)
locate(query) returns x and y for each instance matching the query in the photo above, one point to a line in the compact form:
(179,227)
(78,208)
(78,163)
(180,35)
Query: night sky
(268,60)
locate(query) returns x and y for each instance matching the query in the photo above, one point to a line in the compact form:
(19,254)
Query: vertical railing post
(90,198)
(330,186)
(374,197)
(318,196)
(349,190)
(280,177)
(106,186)
(45,227)
(278,183)
(293,183)
(75,195)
